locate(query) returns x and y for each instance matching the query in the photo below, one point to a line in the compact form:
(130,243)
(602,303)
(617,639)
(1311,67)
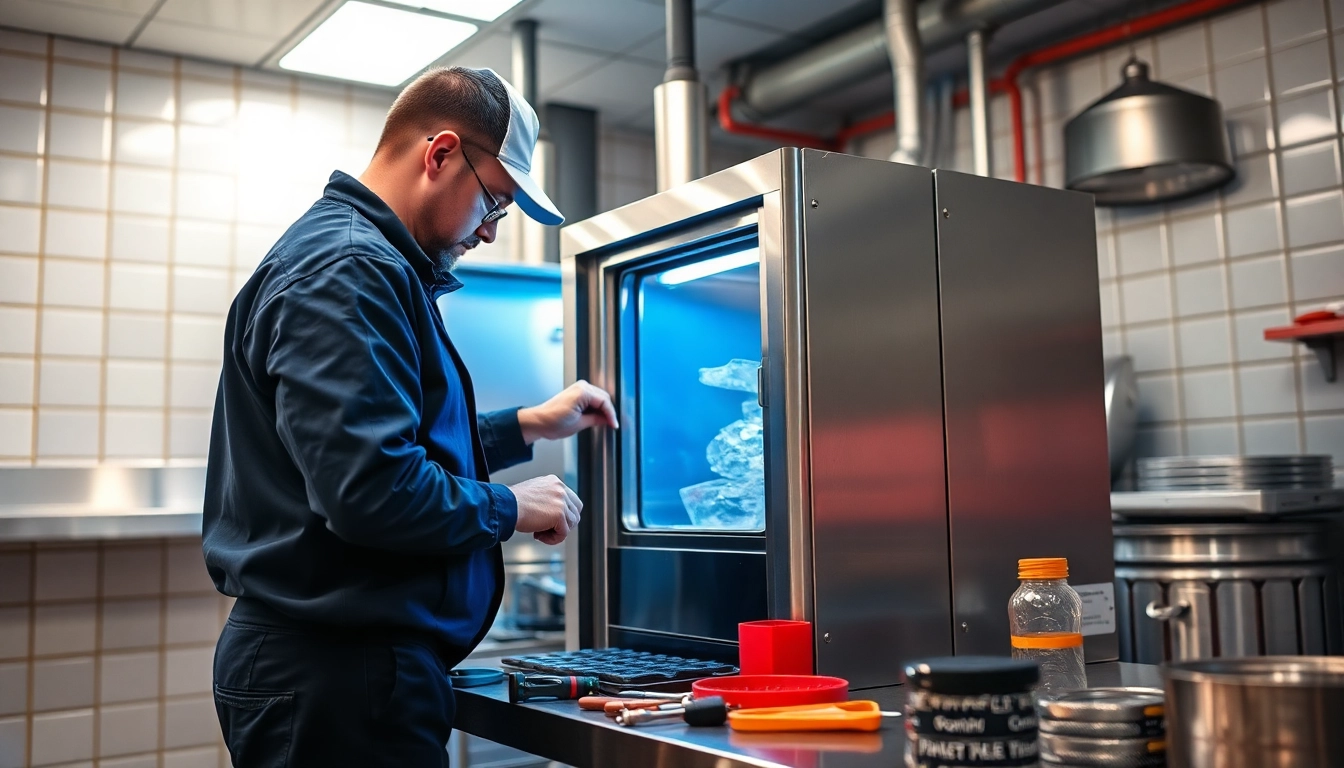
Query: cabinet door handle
(1166,612)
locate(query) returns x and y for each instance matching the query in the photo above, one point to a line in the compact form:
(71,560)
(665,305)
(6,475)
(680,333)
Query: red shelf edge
(1310,330)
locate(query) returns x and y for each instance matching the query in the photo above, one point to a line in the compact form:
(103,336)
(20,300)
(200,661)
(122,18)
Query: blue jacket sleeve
(503,439)
(340,348)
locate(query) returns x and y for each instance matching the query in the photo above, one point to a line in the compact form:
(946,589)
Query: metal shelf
(1320,337)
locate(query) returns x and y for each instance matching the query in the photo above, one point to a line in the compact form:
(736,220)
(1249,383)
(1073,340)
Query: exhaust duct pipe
(978,90)
(907,70)
(529,241)
(681,131)
(862,52)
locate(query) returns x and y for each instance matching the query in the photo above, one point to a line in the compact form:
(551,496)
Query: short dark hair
(468,101)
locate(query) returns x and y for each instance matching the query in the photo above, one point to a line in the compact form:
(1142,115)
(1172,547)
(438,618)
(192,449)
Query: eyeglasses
(496,211)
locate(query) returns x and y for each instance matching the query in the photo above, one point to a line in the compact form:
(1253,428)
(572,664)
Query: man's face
(455,201)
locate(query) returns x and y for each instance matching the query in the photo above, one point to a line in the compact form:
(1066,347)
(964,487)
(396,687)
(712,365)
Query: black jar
(971,712)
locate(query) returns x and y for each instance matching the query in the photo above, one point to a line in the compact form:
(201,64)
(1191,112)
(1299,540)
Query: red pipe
(792,138)
(1006,83)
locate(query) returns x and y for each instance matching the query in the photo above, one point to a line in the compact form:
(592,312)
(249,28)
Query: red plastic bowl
(757,691)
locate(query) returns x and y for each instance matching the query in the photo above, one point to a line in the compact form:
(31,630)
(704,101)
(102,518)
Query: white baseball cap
(516,154)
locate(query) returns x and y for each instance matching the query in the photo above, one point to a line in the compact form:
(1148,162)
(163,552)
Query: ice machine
(850,391)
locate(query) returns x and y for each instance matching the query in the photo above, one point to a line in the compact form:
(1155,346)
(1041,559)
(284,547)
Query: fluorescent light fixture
(485,10)
(375,44)
(710,267)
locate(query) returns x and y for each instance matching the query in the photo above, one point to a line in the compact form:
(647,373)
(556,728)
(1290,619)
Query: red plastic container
(756,691)
(775,647)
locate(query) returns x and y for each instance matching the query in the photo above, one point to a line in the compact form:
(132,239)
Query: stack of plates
(1103,728)
(1236,473)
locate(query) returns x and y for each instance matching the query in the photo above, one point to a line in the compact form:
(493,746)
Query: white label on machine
(1098,607)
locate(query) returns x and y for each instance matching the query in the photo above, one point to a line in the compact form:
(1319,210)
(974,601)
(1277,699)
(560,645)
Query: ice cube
(726,504)
(751,410)
(737,374)
(738,450)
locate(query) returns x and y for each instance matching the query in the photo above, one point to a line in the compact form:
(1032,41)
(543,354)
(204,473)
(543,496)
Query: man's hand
(547,509)
(579,407)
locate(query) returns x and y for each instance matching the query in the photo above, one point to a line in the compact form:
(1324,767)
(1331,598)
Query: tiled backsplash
(1188,288)
(105,654)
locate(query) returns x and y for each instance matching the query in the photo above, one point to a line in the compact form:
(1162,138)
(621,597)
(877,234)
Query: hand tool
(607,703)
(838,716)
(532,687)
(700,712)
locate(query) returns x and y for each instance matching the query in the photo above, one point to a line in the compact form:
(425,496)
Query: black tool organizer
(619,667)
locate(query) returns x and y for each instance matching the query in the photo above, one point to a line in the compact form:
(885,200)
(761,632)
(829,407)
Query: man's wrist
(529,424)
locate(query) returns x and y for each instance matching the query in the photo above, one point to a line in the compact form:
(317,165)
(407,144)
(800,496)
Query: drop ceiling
(604,54)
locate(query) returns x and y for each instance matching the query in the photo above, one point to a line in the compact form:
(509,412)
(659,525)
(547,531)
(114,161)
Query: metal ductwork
(681,130)
(907,71)
(978,87)
(862,52)
(529,241)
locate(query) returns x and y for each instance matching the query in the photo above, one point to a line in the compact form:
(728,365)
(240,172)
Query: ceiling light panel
(484,10)
(375,44)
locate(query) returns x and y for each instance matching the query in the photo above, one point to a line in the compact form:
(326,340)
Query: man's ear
(440,148)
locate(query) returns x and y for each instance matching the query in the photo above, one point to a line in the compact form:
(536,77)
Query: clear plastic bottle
(1046,620)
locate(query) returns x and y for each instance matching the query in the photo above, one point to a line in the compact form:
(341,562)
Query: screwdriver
(700,712)
(532,687)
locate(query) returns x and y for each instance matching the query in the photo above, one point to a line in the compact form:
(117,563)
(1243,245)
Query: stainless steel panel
(878,505)
(1221,543)
(1190,638)
(1278,607)
(1310,617)
(1238,620)
(1222,504)
(739,186)
(784,398)
(686,592)
(103,502)
(1026,421)
(1124,616)
(1149,634)
(589,248)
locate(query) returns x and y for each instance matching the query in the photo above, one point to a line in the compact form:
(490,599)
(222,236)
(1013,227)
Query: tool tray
(616,666)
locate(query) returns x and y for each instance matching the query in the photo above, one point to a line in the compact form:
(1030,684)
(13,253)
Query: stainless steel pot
(1256,712)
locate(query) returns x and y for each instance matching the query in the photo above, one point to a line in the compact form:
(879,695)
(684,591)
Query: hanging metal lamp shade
(1146,142)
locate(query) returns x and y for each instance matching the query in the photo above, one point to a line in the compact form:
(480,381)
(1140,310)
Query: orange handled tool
(839,716)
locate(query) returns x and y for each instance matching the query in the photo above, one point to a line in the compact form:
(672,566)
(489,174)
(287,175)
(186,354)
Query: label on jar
(973,752)
(1023,723)
(1098,607)
(993,704)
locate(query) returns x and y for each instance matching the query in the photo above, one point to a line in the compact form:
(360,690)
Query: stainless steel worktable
(559,731)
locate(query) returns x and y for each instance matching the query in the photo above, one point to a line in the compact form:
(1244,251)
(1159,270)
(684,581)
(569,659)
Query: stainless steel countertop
(71,523)
(559,731)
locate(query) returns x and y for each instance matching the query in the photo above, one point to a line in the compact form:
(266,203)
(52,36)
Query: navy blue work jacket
(348,481)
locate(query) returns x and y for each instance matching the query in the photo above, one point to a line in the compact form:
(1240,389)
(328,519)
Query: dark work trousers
(296,696)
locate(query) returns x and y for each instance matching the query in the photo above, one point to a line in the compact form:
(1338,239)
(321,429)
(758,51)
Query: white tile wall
(110,676)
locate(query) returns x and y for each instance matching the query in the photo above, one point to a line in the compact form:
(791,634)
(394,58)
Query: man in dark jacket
(348,504)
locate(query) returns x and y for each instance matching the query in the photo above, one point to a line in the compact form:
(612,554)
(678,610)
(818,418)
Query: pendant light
(1147,142)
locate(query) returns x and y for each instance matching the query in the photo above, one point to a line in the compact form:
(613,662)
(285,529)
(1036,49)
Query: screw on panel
(947,214)
(815,203)
(826,638)
(965,627)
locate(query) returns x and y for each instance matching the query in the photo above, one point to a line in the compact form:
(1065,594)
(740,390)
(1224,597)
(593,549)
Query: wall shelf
(1321,337)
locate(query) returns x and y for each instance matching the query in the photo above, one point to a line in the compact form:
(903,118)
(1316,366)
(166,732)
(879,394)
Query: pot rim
(1261,671)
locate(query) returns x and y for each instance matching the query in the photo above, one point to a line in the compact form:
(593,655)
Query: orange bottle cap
(1043,568)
